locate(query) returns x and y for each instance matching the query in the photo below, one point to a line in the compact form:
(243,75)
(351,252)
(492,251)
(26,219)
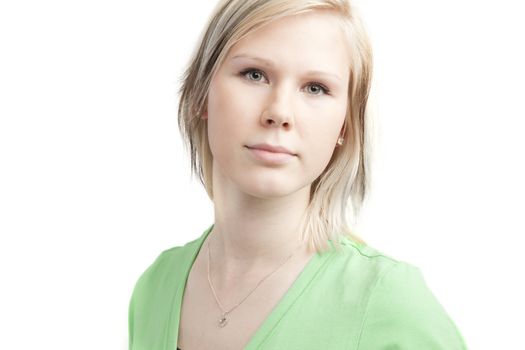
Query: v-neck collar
(308,273)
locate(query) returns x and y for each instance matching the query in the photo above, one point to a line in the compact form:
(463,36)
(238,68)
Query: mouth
(269,157)
(272,149)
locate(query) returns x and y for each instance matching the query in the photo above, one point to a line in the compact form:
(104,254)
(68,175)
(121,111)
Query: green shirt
(356,299)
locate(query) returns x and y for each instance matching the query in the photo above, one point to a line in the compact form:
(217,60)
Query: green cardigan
(356,299)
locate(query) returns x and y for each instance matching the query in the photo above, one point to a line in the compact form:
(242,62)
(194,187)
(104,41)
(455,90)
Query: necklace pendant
(223,321)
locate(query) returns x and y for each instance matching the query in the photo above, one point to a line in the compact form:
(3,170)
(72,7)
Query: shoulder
(153,293)
(400,311)
(169,264)
(364,265)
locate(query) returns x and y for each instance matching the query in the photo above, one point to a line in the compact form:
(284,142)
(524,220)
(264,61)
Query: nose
(279,109)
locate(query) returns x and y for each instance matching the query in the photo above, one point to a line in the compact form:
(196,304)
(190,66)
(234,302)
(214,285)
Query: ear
(341,137)
(343,130)
(204,114)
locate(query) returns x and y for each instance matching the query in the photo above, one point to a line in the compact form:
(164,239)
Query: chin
(267,189)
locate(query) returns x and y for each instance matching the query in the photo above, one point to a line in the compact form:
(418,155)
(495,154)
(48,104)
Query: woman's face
(284,85)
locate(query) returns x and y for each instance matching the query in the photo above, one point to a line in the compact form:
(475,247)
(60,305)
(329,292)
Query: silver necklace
(224,320)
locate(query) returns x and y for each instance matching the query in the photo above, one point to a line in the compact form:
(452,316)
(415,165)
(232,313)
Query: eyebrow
(271,63)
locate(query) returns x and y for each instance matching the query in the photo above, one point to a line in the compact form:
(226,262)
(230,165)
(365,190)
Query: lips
(271,148)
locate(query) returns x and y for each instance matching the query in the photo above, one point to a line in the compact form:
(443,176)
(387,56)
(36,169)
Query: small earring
(340,141)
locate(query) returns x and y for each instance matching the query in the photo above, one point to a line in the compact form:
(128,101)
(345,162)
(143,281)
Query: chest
(200,314)
(199,323)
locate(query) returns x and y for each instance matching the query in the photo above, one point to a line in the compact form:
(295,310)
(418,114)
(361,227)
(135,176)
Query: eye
(256,75)
(253,72)
(320,87)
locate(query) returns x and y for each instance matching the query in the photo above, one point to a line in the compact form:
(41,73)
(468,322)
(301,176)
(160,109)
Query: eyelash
(325,90)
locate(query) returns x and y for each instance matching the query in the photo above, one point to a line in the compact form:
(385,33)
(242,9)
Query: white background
(94,183)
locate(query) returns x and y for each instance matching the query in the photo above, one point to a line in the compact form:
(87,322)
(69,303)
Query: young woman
(273,109)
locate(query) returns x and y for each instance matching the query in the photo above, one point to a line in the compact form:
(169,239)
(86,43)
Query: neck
(251,235)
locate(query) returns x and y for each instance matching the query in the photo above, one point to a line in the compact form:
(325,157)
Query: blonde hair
(347,173)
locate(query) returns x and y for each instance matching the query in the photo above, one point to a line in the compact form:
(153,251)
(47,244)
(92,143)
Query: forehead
(311,41)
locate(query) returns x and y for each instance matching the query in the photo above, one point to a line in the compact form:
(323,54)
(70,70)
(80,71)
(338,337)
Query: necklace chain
(223,321)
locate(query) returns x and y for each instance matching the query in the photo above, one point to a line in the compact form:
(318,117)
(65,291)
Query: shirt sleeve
(402,313)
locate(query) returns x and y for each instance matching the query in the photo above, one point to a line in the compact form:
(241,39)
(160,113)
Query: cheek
(324,124)
(321,136)
(322,149)
(228,120)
